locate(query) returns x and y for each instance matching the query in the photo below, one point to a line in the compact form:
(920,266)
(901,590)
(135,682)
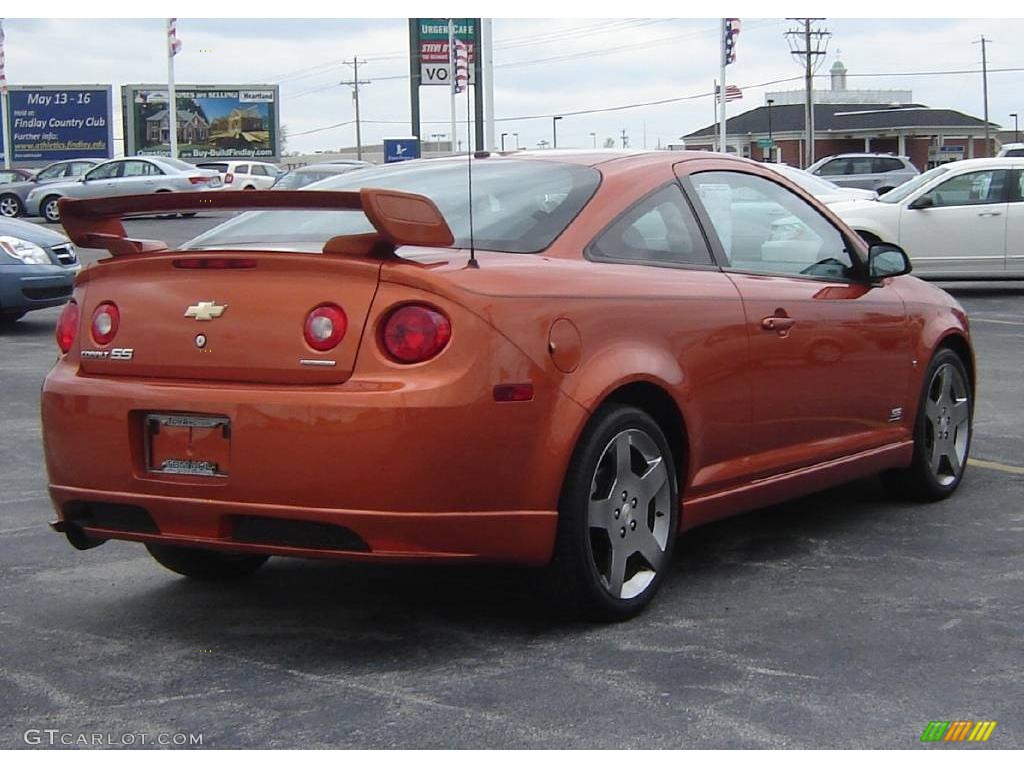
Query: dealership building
(851,121)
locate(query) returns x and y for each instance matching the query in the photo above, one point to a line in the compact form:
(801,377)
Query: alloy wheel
(9,206)
(628,514)
(947,424)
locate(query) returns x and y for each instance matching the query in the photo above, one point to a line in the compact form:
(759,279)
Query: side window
(978,188)
(135,168)
(834,168)
(259,170)
(661,228)
(886,164)
(242,169)
(105,171)
(859,165)
(53,172)
(8,177)
(766,229)
(77,169)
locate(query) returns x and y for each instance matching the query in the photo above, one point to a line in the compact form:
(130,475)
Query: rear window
(886,164)
(519,206)
(1014,153)
(218,167)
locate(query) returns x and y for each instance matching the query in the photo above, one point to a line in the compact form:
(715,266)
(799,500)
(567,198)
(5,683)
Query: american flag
(3,73)
(173,43)
(732,30)
(732,93)
(460,66)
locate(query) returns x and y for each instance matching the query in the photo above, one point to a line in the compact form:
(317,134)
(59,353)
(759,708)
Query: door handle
(991,213)
(775,323)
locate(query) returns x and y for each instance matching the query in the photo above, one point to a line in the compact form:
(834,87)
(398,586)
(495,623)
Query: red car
(604,350)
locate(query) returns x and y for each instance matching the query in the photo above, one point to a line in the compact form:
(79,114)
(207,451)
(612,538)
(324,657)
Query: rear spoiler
(400,218)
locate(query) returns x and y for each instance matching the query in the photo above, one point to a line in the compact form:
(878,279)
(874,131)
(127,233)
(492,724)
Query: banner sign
(433,49)
(59,122)
(214,121)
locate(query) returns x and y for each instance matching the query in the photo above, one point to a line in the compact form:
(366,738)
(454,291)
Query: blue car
(37,268)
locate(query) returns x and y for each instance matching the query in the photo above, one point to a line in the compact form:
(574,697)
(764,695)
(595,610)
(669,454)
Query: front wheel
(50,209)
(10,206)
(942,433)
(617,517)
(205,564)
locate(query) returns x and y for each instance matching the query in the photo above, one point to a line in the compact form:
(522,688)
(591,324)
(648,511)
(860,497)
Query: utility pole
(984,88)
(625,139)
(771,140)
(355,82)
(808,46)
(554,131)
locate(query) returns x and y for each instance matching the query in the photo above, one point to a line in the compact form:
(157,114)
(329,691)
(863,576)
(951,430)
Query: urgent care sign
(435,66)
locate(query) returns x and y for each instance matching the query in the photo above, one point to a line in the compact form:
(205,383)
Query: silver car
(866,170)
(127,176)
(13,194)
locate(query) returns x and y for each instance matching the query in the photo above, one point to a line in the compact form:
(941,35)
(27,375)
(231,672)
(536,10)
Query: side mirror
(924,201)
(887,260)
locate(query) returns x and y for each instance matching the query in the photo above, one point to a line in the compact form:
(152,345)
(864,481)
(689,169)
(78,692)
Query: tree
(609,143)
(282,134)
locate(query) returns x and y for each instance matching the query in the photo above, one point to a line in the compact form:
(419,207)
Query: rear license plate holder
(193,445)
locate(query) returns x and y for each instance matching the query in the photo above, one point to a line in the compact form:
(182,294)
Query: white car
(821,188)
(244,174)
(959,221)
(1013,149)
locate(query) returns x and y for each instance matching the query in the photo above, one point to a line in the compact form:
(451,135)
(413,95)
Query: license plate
(187,444)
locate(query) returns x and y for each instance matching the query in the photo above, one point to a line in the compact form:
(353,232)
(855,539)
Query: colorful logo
(958,730)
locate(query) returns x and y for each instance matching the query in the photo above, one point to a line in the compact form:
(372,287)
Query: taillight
(199,179)
(67,326)
(228,178)
(105,320)
(325,327)
(414,333)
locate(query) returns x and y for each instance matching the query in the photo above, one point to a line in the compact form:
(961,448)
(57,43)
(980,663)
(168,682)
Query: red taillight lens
(325,327)
(199,179)
(67,326)
(415,333)
(105,320)
(228,178)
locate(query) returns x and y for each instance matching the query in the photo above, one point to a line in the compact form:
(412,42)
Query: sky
(543,67)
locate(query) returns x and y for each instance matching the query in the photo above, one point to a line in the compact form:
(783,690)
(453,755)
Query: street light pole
(593,136)
(554,131)
(1016,127)
(516,137)
(771,143)
(503,141)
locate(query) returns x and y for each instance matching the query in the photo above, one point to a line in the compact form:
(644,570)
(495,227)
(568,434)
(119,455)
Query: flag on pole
(460,66)
(3,73)
(732,93)
(173,43)
(732,31)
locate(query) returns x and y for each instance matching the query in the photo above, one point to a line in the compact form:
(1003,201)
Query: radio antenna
(458,70)
(469,166)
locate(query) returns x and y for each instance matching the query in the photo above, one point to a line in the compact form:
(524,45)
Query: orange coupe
(603,350)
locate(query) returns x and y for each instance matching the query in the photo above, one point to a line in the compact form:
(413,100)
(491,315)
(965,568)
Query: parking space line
(993,320)
(996,465)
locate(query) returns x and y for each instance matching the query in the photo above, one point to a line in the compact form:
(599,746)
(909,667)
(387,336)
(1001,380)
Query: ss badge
(122,353)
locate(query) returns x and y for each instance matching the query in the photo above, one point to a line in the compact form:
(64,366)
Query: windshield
(519,206)
(218,167)
(296,179)
(176,163)
(813,184)
(908,188)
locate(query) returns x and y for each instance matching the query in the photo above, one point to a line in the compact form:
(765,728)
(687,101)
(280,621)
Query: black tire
(580,577)
(10,206)
(9,318)
(925,479)
(188,215)
(49,210)
(206,564)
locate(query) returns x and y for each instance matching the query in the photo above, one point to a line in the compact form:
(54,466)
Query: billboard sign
(214,121)
(59,122)
(397,150)
(433,49)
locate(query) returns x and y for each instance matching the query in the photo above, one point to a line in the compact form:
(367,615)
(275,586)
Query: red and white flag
(173,43)
(732,93)
(460,66)
(732,31)
(3,73)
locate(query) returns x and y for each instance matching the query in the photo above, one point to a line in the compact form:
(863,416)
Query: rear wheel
(50,210)
(617,517)
(188,215)
(942,433)
(205,564)
(10,206)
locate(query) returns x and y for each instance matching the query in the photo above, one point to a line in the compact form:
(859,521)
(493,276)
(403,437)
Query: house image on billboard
(192,128)
(246,120)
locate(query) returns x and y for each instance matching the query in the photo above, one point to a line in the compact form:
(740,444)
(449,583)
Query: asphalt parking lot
(844,619)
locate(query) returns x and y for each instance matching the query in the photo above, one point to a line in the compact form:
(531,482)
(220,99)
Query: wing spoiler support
(400,218)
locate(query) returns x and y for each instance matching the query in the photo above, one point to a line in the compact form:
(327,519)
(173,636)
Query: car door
(1014,263)
(101,181)
(958,224)
(671,295)
(139,177)
(829,350)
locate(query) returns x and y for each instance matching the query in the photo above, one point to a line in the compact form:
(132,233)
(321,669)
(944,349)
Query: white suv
(244,174)
(876,172)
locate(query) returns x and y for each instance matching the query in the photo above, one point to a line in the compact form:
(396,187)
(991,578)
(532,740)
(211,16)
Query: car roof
(985,162)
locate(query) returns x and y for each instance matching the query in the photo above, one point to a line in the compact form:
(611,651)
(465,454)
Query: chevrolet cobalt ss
(603,350)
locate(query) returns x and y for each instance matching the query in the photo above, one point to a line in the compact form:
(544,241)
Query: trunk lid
(250,318)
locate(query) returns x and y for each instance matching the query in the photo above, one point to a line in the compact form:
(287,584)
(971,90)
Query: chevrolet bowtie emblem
(205,310)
